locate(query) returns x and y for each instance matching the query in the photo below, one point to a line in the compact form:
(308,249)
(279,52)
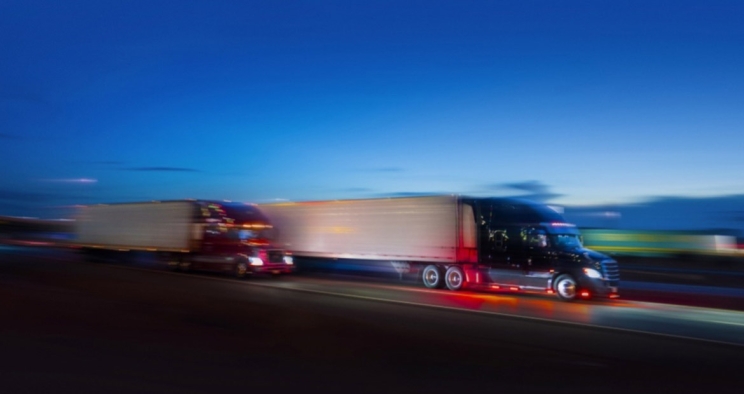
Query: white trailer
(151,226)
(411,233)
(187,234)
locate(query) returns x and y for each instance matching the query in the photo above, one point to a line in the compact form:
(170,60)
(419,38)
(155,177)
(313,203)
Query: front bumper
(272,268)
(600,287)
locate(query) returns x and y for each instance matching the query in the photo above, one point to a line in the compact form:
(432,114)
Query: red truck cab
(235,237)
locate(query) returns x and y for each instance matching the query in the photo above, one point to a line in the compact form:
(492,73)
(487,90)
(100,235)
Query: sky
(575,102)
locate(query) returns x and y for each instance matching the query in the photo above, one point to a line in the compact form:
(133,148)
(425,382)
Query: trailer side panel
(406,229)
(166,226)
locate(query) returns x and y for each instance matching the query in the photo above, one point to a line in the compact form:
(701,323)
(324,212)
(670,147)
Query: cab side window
(535,238)
(498,239)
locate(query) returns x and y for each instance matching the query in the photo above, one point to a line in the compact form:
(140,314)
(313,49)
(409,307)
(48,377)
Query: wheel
(184,265)
(566,288)
(454,278)
(241,268)
(432,277)
(174,262)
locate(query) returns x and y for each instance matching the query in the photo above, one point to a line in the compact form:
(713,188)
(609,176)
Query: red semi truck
(188,234)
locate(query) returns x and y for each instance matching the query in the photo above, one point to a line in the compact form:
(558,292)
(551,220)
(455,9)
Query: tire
(454,278)
(184,265)
(432,277)
(241,268)
(566,288)
(174,262)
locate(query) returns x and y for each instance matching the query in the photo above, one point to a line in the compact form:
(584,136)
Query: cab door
(498,253)
(537,260)
(209,250)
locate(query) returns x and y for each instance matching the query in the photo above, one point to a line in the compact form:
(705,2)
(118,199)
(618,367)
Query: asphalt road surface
(73,326)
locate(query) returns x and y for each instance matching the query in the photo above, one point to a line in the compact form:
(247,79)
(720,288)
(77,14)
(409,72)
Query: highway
(75,326)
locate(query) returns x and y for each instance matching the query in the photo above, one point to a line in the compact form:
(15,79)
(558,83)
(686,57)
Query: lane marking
(727,322)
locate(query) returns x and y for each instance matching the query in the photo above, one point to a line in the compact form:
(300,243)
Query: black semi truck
(452,241)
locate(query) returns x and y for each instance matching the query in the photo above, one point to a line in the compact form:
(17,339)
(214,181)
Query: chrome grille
(276,256)
(610,270)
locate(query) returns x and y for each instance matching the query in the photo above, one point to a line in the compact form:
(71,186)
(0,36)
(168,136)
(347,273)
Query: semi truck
(188,234)
(452,241)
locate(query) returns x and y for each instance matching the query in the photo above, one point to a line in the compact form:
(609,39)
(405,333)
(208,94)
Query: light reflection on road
(690,322)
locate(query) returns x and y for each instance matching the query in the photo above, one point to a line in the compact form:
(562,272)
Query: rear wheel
(184,264)
(432,277)
(241,269)
(566,288)
(454,278)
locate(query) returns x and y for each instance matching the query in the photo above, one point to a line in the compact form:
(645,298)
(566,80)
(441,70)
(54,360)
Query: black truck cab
(528,246)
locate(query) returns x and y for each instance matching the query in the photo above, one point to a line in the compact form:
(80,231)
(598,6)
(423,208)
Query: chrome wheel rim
(566,288)
(431,277)
(454,279)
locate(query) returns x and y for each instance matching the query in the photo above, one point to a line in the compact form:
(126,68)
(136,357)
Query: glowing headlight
(288,260)
(592,273)
(255,260)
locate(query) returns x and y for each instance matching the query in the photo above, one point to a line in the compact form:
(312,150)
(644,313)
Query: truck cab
(235,237)
(530,247)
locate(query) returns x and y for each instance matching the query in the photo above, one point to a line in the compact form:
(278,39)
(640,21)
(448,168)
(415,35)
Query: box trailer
(197,234)
(452,241)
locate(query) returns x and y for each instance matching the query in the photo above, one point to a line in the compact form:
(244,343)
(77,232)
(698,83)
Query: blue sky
(588,102)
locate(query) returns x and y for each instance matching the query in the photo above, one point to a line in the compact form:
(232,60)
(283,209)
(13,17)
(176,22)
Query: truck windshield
(566,241)
(251,235)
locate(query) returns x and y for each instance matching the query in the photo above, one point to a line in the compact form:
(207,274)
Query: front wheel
(454,278)
(566,288)
(432,277)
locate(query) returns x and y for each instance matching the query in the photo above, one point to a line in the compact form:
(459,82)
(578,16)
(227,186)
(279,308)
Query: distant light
(72,180)
(561,224)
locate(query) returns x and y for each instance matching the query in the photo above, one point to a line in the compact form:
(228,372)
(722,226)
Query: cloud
(535,190)
(6,136)
(72,180)
(162,169)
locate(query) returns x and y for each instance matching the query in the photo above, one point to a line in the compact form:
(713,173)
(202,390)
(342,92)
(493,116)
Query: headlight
(255,260)
(592,273)
(288,260)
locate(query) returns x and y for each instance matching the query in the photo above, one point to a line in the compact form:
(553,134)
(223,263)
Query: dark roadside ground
(694,280)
